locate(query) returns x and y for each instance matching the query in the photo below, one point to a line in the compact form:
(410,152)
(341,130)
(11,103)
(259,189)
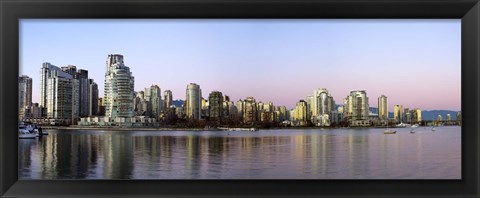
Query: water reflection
(271,154)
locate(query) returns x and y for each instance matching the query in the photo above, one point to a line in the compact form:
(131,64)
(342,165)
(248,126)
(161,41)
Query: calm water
(266,154)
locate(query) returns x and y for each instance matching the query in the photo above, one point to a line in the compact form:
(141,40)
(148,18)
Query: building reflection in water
(281,154)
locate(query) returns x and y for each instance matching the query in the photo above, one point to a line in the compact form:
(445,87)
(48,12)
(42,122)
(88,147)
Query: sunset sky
(415,63)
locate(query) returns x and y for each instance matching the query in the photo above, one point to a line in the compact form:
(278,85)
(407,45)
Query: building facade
(215,105)
(383,108)
(398,113)
(119,88)
(62,98)
(24,95)
(92,98)
(167,98)
(193,101)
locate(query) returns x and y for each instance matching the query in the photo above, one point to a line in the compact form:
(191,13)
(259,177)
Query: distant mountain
(177,103)
(426,115)
(433,114)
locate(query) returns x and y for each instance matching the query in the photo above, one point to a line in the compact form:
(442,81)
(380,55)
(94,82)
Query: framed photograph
(239,99)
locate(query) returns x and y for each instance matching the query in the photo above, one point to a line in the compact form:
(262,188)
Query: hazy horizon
(415,63)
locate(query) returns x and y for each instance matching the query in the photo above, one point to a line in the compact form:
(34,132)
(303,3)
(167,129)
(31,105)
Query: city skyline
(287,88)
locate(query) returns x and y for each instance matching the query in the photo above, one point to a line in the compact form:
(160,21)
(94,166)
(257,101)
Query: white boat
(25,134)
(412,131)
(415,126)
(389,131)
(433,129)
(238,129)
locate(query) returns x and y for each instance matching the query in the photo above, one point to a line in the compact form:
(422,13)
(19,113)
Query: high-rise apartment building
(119,88)
(383,108)
(92,98)
(250,111)
(45,73)
(215,102)
(62,97)
(359,102)
(240,109)
(300,118)
(193,101)
(24,94)
(398,113)
(167,98)
(156,100)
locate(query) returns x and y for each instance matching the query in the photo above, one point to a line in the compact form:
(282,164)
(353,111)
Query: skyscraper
(24,94)
(193,101)
(156,100)
(250,111)
(383,108)
(240,109)
(119,88)
(359,102)
(92,98)
(215,102)
(398,113)
(62,97)
(84,92)
(167,98)
(45,73)
(300,118)
(322,105)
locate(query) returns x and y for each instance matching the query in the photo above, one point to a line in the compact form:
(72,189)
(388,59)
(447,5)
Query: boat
(415,126)
(389,131)
(23,133)
(412,131)
(238,129)
(433,129)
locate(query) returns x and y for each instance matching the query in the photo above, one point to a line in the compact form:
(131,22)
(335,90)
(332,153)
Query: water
(266,154)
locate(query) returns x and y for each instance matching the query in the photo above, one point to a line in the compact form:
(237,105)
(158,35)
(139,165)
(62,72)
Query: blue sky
(415,63)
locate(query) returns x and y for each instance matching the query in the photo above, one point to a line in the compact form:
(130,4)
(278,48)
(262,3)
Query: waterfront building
(322,105)
(62,98)
(240,109)
(193,101)
(215,105)
(84,92)
(250,111)
(301,112)
(358,108)
(348,107)
(282,115)
(155,101)
(119,88)
(439,118)
(45,73)
(167,98)
(93,98)
(418,115)
(449,117)
(383,108)
(101,107)
(142,106)
(407,115)
(204,108)
(398,113)
(36,111)
(459,117)
(24,95)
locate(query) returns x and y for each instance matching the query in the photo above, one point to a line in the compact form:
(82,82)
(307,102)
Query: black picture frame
(466,10)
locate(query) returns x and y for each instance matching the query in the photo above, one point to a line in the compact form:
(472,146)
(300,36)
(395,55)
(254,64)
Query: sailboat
(389,131)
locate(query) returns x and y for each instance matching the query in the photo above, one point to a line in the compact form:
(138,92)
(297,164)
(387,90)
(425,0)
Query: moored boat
(23,133)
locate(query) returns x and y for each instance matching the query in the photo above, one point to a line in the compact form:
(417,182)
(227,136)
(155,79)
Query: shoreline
(192,129)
